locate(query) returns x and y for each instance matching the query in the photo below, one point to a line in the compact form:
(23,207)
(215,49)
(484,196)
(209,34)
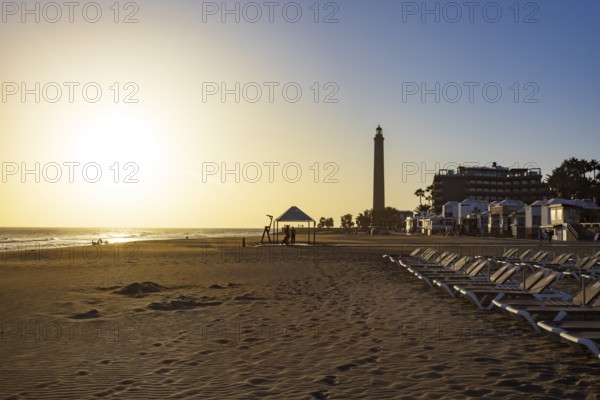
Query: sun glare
(118,136)
(131,148)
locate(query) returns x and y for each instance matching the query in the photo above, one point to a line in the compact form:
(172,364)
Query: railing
(573,231)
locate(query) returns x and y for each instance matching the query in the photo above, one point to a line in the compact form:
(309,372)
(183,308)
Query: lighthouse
(378,181)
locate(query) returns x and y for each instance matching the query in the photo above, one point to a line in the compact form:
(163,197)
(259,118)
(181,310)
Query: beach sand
(209,320)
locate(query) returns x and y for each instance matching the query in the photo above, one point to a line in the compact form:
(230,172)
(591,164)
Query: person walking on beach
(549,235)
(293,232)
(540,236)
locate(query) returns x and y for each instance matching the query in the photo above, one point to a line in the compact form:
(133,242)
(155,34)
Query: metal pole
(582,286)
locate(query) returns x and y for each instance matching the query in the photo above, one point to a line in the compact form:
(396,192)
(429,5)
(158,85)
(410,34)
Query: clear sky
(291,92)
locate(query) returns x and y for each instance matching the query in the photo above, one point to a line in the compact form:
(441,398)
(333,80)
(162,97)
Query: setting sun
(119,134)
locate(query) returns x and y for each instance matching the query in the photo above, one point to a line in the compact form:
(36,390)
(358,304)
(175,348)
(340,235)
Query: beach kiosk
(294,214)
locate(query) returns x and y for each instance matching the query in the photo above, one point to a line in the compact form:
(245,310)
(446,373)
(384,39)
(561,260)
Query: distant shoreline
(384,244)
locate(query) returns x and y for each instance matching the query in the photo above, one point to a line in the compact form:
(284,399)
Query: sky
(213,114)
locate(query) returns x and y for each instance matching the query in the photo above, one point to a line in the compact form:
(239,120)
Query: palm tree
(422,208)
(429,197)
(420,193)
(595,184)
(594,165)
(569,180)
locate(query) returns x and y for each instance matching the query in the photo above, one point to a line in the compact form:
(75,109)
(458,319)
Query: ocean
(24,238)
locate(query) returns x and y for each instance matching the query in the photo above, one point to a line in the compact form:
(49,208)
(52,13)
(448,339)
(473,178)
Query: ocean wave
(31,237)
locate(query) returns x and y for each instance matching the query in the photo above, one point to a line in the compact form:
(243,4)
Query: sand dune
(179,321)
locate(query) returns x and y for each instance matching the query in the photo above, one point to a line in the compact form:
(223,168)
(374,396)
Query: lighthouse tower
(378,181)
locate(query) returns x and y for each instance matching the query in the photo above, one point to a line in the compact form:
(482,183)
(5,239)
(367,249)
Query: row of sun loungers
(520,284)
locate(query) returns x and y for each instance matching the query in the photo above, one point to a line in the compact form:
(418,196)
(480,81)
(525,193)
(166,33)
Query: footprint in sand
(345,367)
(163,371)
(330,380)
(86,315)
(486,360)
(357,362)
(365,360)
(46,384)
(477,393)
(182,303)
(258,381)
(249,297)
(439,367)
(320,395)
(494,373)
(187,394)
(432,375)
(103,394)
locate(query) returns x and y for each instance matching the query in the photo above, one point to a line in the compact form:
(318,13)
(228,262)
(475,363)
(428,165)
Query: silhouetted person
(293,232)
(286,239)
(549,234)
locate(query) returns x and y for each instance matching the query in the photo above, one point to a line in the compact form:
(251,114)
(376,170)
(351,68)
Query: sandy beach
(207,319)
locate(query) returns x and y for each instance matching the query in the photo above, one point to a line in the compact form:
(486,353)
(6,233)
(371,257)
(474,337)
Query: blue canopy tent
(294,214)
